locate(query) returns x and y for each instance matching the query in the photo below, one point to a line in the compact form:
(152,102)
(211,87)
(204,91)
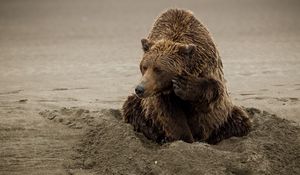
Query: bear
(182,94)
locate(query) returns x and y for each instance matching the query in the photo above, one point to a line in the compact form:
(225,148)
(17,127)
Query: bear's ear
(187,49)
(146,44)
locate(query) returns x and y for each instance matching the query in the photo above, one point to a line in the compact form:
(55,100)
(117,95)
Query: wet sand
(56,54)
(110,146)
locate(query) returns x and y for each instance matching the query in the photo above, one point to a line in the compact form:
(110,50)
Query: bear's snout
(139,90)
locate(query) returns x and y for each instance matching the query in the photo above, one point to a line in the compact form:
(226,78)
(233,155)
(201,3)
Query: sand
(68,58)
(109,146)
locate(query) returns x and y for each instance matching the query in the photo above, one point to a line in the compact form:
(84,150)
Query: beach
(67,66)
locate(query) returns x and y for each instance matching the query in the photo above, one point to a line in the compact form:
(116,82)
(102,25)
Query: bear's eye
(144,68)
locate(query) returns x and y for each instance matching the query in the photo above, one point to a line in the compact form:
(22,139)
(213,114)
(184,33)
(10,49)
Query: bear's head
(161,62)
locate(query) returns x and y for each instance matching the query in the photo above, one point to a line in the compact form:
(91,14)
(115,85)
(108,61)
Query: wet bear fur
(184,95)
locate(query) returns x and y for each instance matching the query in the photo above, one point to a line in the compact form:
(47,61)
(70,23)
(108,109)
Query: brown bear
(182,94)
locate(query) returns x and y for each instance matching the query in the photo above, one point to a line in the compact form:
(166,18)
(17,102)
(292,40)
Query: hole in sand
(109,146)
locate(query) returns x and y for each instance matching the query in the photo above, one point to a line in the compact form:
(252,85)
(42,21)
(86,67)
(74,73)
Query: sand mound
(109,146)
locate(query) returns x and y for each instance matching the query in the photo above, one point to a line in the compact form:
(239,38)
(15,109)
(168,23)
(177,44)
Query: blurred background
(73,52)
(66,53)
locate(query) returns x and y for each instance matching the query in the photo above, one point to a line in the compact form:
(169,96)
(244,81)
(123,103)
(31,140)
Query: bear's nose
(139,90)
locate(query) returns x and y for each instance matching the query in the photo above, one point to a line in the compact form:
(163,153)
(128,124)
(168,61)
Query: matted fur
(173,114)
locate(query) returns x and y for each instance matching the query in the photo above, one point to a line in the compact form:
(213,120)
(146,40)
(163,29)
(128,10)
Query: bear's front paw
(179,88)
(184,88)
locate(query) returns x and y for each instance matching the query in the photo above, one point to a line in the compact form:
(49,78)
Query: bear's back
(181,26)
